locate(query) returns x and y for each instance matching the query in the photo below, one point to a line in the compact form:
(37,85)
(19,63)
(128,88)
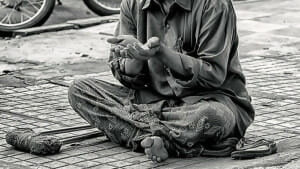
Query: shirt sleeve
(209,68)
(126,26)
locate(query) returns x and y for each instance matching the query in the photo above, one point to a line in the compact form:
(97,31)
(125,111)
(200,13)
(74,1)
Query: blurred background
(69,10)
(20,14)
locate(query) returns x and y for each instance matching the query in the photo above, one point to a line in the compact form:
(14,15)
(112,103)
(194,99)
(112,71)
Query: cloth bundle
(29,141)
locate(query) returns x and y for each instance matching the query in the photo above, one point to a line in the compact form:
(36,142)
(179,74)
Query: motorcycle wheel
(104,7)
(19,14)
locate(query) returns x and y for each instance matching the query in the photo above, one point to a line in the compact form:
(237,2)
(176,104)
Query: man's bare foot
(155,149)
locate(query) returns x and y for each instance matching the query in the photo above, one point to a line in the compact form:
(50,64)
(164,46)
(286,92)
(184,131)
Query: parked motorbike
(19,14)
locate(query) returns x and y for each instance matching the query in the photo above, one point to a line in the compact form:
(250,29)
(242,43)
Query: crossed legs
(179,131)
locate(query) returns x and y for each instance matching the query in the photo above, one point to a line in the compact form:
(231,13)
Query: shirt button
(167,26)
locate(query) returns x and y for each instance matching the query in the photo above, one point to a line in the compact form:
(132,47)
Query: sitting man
(184,91)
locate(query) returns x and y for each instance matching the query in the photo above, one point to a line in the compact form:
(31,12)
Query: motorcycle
(19,14)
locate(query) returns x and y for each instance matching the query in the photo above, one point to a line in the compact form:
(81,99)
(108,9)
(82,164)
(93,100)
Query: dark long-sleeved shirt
(204,35)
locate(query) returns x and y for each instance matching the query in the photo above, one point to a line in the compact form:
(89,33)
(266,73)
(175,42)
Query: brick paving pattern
(271,65)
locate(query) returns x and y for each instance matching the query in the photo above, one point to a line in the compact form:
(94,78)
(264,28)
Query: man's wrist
(133,66)
(163,53)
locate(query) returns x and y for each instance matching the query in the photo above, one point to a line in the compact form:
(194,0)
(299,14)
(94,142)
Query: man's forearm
(172,60)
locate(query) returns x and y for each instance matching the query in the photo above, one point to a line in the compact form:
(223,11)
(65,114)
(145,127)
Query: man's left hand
(122,40)
(144,51)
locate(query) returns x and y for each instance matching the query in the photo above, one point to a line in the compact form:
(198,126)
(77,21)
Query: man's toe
(158,159)
(149,156)
(148,151)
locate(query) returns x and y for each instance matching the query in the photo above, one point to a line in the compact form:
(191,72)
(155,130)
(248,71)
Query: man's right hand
(120,42)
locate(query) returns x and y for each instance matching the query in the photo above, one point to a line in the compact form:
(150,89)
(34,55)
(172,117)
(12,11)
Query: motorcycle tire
(39,18)
(103,9)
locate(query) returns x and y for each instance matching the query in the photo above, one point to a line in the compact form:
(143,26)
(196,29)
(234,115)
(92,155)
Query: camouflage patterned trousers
(185,128)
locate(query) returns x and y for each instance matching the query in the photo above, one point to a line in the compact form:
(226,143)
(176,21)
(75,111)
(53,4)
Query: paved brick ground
(271,60)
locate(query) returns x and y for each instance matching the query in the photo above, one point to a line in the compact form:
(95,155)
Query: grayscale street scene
(38,65)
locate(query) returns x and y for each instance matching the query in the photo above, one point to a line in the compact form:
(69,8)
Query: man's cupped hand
(128,46)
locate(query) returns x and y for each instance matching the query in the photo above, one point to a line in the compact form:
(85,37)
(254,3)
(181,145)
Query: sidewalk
(34,92)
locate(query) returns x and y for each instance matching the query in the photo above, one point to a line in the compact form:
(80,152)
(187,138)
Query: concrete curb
(72,24)
(83,23)
(42,29)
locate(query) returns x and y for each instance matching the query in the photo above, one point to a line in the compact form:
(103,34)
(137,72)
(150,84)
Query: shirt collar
(185,4)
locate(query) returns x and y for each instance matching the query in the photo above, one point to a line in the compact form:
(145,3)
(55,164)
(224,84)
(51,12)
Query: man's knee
(74,86)
(80,84)
(221,112)
(220,120)
(75,89)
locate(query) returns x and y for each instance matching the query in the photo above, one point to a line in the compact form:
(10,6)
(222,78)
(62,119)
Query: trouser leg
(186,129)
(190,128)
(105,106)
